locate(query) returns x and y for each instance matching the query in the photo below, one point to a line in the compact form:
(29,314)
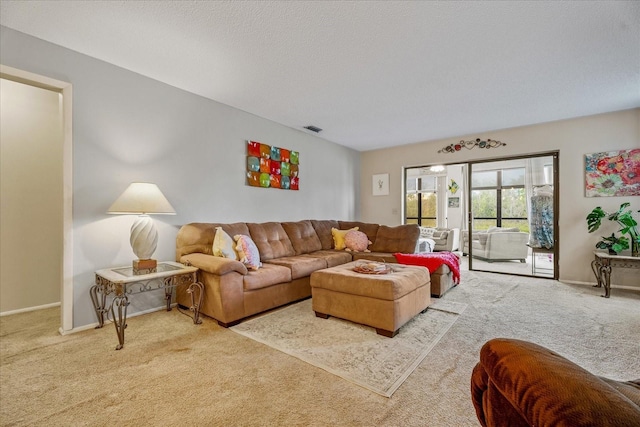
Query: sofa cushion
(371,230)
(323,230)
(223,245)
(339,236)
(374,256)
(268,275)
(402,238)
(303,236)
(271,239)
(300,265)
(332,257)
(247,251)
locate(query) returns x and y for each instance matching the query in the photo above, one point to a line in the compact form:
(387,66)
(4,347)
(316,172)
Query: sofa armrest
(544,388)
(213,264)
(453,239)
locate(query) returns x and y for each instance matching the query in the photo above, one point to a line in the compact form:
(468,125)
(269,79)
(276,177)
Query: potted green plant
(628,225)
(613,244)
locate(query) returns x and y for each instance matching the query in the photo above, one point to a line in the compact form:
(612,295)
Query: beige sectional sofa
(289,252)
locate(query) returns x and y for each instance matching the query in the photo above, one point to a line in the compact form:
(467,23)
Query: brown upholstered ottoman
(385,302)
(441,279)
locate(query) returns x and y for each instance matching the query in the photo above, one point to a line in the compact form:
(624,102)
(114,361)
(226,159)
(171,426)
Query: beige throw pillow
(223,245)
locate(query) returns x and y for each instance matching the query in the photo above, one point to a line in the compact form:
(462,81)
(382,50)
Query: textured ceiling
(371,74)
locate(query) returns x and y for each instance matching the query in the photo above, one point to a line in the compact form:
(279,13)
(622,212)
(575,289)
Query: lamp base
(144,266)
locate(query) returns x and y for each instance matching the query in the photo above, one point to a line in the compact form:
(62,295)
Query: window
(498,199)
(421,204)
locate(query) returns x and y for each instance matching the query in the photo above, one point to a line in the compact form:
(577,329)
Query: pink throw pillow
(247,251)
(356,241)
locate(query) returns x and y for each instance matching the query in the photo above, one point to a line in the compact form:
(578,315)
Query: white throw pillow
(427,232)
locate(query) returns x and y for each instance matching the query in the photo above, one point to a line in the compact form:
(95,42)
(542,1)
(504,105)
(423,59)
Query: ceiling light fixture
(436,168)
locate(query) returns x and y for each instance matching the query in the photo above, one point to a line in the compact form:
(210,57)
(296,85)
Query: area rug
(352,351)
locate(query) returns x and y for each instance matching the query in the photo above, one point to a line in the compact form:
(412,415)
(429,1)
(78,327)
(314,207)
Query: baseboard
(593,284)
(109,322)
(25,310)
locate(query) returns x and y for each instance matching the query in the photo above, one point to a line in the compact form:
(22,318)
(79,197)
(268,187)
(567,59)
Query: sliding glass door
(502,212)
(512,227)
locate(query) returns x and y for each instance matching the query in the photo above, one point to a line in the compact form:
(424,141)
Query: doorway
(512,220)
(516,197)
(61,251)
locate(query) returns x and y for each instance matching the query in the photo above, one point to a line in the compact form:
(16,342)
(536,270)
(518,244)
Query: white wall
(128,128)
(574,138)
(31,193)
(455,219)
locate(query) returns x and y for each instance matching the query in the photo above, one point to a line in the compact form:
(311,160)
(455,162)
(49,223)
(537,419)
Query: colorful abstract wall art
(272,167)
(613,173)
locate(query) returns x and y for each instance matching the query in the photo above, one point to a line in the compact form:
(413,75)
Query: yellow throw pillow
(223,245)
(338,237)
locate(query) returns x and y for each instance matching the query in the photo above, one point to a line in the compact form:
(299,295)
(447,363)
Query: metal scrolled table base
(602,271)
(604,263)
(116,310)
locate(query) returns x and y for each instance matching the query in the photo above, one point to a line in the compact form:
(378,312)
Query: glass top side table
(122,282)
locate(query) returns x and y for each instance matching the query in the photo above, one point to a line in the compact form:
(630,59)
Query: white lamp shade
(142,198)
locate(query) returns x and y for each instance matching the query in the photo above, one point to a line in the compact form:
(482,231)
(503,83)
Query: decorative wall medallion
(469,145)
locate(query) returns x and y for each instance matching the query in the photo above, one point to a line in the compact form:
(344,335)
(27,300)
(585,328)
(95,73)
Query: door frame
(64,88)
(556,206)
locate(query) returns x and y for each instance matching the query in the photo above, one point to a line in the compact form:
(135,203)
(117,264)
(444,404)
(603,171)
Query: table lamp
(143,199)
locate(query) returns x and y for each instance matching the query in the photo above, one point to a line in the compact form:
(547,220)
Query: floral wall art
(613,173)
(272,167)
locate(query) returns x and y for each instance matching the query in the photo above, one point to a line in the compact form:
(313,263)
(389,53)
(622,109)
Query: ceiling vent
(313,128)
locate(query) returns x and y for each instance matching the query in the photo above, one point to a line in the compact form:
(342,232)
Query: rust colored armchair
(518,383)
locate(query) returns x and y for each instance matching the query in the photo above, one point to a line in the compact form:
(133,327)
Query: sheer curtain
(464,206)
(528,188)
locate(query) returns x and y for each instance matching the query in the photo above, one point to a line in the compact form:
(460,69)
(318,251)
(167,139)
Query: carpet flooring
(352,351)
(172,372)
